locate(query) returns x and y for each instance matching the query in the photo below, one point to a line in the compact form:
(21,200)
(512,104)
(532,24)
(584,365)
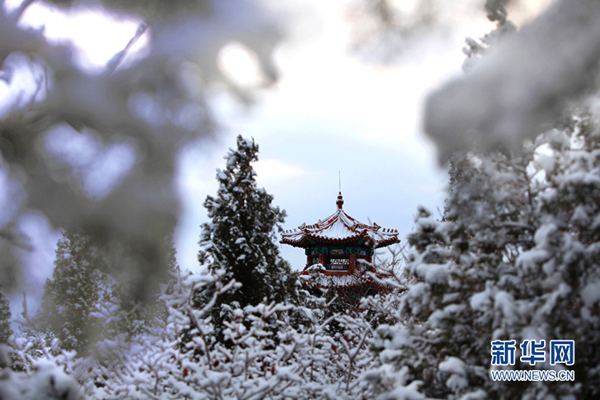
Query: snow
(579,216)
(530,260)
(433,273)
(533,333)
(48,383)
(409,392)
(457,382)
(324,281)
(591,293)
(596,222)
(453,365)
(480,301)
(478,394)
(221,175)
(504,301)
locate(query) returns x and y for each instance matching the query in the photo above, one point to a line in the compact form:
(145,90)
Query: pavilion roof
(340,228)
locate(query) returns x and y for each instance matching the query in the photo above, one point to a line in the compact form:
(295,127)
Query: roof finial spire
(340,200)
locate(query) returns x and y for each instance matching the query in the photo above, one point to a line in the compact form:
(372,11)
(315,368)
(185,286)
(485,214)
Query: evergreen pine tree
(129,315)
(515,258)
(5,315)
(82,304)
(72,293)
(239,242)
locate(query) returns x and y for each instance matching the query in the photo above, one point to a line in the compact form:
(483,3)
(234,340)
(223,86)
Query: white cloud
(269,169)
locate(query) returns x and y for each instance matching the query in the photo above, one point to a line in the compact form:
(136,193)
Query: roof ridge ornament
(340,201)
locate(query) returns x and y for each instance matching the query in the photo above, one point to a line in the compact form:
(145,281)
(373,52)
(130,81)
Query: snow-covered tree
(299,360)
(272,350)
(515,258)
(239,242)
(83,304)
(70,297)
(515,255)
(122,313)
(5,315)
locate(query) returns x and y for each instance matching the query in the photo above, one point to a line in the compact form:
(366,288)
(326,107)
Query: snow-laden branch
(521,84)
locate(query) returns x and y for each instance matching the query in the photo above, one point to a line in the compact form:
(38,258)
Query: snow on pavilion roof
(339,228)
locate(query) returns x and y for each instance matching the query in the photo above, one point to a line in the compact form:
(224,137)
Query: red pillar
(352,266)
(322,259)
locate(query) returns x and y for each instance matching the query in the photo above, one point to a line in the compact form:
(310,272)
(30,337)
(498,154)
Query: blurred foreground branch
(523,83)
(98,152)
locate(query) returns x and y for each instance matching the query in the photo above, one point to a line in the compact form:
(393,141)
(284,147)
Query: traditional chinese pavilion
(343,246)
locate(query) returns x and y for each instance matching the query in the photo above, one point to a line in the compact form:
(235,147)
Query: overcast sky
(329,112)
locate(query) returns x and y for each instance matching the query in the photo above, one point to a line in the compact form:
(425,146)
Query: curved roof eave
(340,228)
